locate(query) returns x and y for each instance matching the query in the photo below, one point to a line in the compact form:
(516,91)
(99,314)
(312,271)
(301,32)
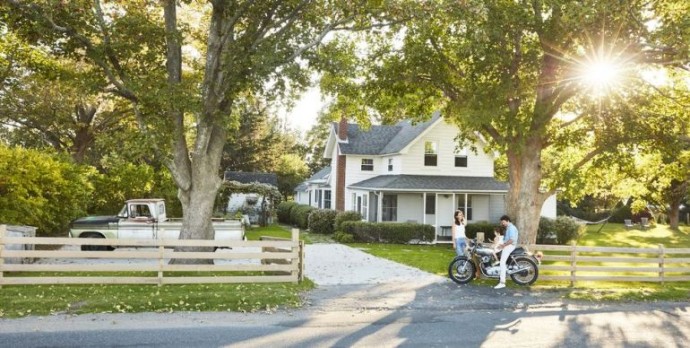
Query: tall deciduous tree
(138,45)
(523,76)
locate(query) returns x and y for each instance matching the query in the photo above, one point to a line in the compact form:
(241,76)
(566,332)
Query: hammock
(585,222)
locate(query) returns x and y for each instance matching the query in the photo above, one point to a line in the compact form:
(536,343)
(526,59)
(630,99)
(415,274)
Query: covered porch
(432,202)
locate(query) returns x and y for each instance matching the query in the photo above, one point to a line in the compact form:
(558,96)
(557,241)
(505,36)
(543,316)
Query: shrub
(42,190)
(545,231)
(567,229)
(283,211)
(342,237)
(564,228)
(345,216)
(388,232)
(480,226)
(299,215)
(322,221)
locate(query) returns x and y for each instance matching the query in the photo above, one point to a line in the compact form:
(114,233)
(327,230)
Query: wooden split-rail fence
(137,261)
(577,263)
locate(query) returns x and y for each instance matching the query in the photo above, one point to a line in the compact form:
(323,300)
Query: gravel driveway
(338,264)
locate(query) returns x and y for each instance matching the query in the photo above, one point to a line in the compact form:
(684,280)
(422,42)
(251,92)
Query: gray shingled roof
(381,140)
(250,177)
(431,183)
(301,187)
(321,174)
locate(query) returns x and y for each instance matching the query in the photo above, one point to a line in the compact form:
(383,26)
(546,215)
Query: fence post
(161,251)
(295,239)
(3,230)
(573,262)
(661,262)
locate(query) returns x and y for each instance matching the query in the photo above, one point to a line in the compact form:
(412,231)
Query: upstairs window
(367,164)
(461,158)
(430,154)
(390,164)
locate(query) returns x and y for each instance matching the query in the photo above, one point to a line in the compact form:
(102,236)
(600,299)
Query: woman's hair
(457,220)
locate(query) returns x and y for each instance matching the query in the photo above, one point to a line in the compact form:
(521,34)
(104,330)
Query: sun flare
(601,74)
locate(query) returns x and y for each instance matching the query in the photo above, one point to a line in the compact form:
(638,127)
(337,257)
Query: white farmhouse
(408,173)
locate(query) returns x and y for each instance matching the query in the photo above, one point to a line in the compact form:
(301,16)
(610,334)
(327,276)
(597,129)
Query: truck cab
(144,210)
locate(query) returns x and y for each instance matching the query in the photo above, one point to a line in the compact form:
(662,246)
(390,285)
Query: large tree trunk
(524,201)
(677,192)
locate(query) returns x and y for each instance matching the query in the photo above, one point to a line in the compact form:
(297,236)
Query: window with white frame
(367,164)
(390,164)
(430,207)
(465,207)
(365,207)
(461,158)
(327,199)
(389,208)
(430,154)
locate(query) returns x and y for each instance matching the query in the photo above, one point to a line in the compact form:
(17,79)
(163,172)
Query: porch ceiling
(425,183)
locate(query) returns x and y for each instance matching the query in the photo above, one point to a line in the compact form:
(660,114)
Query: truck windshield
(123,211)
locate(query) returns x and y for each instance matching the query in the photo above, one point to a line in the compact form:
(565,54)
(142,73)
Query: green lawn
(435,259)
(22,300)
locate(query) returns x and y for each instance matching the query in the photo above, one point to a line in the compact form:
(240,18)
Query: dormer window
(430,154)
(367,164)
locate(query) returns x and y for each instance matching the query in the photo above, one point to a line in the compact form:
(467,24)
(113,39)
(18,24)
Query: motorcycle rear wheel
(461,270)
(527,276)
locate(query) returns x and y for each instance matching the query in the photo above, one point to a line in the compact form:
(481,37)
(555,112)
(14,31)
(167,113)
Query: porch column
(424,208)
(379,208)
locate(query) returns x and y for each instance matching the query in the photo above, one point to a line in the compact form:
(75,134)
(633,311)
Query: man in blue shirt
(509,242)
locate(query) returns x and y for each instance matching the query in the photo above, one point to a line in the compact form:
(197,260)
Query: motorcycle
(522,266)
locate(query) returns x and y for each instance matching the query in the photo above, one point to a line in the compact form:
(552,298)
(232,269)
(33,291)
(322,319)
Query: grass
(23,300)
(18,301)
(283,231)
(435,259)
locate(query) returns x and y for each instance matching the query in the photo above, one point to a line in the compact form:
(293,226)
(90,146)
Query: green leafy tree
(291,171)
(42,190)
(526,76)
(138,47)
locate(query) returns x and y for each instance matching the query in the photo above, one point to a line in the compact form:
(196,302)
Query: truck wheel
(94,247)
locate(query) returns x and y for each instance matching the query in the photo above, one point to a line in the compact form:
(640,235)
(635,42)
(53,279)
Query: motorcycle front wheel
(461,270)
(529,271)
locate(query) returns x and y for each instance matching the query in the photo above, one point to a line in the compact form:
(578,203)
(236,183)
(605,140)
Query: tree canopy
(523,76)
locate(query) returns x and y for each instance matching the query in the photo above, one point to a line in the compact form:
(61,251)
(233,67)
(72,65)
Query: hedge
(563,227)
(388,232)
(299,215)
(481,226)
(345,216)
(322,221)
(283,211)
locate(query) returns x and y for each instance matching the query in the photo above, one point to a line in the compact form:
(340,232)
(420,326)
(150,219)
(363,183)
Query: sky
(303,115)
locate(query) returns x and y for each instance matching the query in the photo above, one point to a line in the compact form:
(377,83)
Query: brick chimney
(340,173)
(342,129)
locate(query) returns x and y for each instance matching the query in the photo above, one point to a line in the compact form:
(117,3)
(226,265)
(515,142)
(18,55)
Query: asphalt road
(384,315)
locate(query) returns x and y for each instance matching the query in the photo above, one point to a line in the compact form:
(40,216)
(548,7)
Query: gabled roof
(425,183)
(321,178)
(302,187)
(250,177)
(321,174)
(382,140)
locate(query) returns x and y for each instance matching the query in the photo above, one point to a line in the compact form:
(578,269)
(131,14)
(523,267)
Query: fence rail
(243,262)
(575,263)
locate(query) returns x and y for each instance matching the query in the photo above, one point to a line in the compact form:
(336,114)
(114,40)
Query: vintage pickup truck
(143,219)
